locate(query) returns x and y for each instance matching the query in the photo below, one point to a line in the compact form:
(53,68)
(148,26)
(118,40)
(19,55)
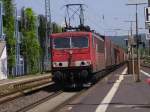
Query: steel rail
(30,106)
(16,89)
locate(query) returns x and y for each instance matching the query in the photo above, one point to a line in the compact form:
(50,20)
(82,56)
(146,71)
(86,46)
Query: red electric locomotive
(77,55)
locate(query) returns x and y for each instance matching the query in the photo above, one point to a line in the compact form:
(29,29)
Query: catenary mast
(47,63)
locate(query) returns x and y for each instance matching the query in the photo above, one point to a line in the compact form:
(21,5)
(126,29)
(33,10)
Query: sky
(102,15)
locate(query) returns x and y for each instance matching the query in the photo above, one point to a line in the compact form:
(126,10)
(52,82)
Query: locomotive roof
(70,33)
(76,34)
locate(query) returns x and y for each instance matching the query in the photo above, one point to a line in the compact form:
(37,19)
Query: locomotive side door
(100,54)
(94,53)
(96,56)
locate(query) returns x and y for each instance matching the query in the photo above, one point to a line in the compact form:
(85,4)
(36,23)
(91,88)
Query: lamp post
(137,78)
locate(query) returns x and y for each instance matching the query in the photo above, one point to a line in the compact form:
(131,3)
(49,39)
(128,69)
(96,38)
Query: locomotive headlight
(83,63)
(60,64)
(88,62)
(55,64)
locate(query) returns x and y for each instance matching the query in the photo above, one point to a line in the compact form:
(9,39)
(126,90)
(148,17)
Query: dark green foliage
(30,45)
(9,31)
(31,51)
(42,38)
(56,28)
(42,27)
(30,20)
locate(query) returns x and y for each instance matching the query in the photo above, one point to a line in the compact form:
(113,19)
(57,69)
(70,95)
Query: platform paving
(117,93)
(131,96)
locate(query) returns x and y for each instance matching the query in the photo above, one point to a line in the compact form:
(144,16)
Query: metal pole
(137,77)
(130,46)
(132,50)
(138,55)
(149,47)
(81,15)
(131,29)
(1,20)
(47,63)
(149,29)
(17,50)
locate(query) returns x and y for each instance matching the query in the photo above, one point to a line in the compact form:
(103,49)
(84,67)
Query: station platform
(22,78)
(116,93)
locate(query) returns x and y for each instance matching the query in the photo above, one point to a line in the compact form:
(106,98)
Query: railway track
(14,89)
(50,94)
(28,107)
(56,97)
(31,99)
(21,89)
(54,102)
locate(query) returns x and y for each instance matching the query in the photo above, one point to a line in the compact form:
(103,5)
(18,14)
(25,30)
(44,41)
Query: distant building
(3,60)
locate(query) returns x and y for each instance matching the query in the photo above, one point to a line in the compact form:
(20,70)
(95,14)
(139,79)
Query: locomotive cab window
(61,43)
(79,42)
(70,42)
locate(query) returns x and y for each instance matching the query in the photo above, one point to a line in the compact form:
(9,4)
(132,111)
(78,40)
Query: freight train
(78,55)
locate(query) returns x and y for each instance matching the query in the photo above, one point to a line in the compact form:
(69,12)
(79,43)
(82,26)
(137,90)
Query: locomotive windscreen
(61,43)
(70,42)
(81,42)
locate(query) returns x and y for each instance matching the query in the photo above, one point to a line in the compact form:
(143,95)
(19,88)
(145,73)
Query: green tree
(56,28)
(42,38)
(30,44)
(9,29)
